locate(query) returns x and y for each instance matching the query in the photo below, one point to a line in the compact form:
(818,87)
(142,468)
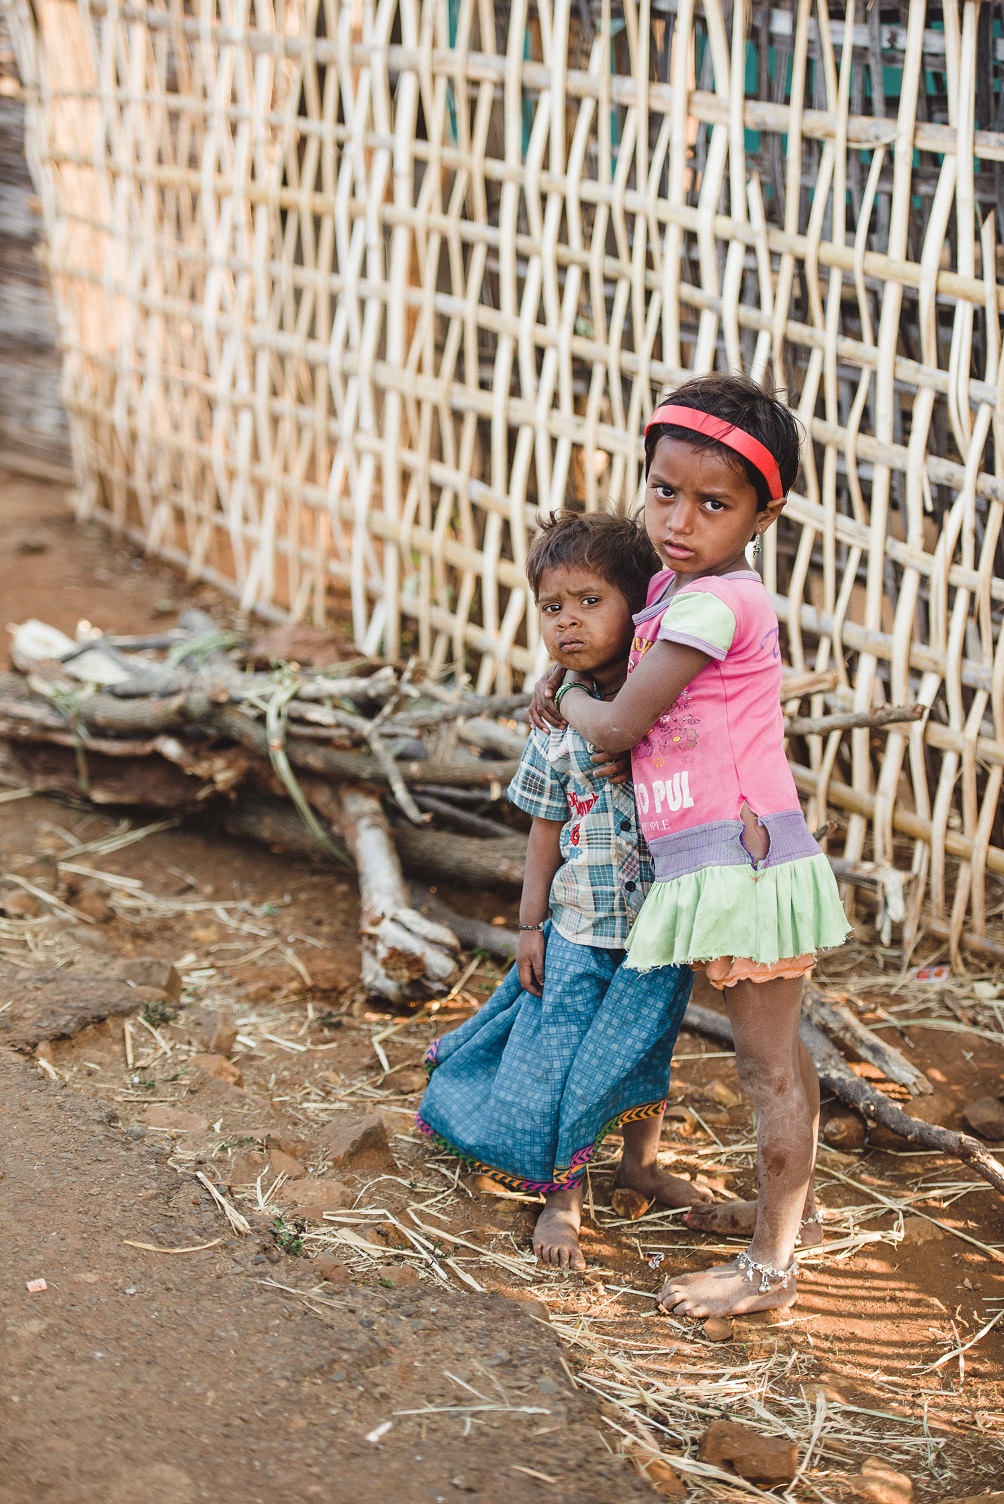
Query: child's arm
(543,858)
(666,669)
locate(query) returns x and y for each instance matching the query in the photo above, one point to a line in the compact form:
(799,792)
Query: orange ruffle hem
(726,971)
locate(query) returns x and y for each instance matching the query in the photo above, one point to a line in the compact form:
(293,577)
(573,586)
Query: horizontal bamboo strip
(904,820)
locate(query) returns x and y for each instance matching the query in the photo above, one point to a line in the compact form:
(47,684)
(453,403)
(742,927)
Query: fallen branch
(403,952)
(463,860)
(474,934)
(356,766)
(27,716)
(423,853)
(461,819)
(468,705)
(836,1076)
(849,720)
(838,1022)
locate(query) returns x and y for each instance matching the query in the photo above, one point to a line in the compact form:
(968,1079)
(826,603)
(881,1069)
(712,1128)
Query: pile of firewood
(362,761)
(355,759)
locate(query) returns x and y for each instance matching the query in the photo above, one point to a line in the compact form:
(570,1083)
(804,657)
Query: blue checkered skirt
(526,1089)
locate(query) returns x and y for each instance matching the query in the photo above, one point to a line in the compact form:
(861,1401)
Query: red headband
(743,443)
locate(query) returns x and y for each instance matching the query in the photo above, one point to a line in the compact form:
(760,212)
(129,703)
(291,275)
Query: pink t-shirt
(721,744)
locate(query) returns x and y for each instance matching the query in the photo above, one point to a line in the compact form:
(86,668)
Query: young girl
(571,1045)
(742,891)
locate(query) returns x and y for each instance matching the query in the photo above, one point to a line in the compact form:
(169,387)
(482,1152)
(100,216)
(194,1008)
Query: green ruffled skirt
(788,910)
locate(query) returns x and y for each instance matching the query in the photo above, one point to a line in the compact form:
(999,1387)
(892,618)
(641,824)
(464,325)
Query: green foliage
(289,1238)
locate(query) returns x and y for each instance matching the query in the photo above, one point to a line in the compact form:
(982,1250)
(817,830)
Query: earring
(757,546)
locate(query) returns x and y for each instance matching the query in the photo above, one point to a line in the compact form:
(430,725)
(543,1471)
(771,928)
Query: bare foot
(555,1237)
(670,1190)
(722,1291)
(737,1219)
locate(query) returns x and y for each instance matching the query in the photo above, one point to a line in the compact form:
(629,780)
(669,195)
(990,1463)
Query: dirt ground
(436,1359)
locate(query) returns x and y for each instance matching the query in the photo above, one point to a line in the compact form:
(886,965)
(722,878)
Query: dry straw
(349,292)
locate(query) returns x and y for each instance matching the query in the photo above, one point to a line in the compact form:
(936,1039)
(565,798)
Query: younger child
(571,1046)
(742,890)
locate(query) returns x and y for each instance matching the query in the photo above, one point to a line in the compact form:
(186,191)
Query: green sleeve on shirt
(699,619)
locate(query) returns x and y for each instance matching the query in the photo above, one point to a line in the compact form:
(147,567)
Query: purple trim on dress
(687,641)
(719,844)
(652,610)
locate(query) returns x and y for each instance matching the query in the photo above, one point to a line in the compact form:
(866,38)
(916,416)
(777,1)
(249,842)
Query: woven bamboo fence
(351,291)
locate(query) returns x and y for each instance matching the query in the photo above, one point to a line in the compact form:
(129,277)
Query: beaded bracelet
(539,926)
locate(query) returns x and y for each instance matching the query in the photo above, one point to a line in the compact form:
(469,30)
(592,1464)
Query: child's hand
(530,961)
(616,766)
(541,711)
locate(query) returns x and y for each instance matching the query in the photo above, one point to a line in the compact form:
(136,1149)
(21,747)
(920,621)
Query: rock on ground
(878,1483)
(767,1460)
(985,1116)
(59,1004)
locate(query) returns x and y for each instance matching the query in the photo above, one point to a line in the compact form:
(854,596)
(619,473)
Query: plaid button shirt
(606,868)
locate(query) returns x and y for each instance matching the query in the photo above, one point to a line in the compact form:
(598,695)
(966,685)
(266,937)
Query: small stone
(217,1068)
(401,1276)
(244,1169)
(386,1235)
(294,1147)
(18,905)
(150,971)
(985,1116)
(717,1091)
(312,1198)
(717,1329)
(994,1498)
(880,1137)
(330,1270)
(285,1164)
(835,1388)
(881,1484)
(844,1131)
(535,1309)
(920,1230)
(215,1031)
(484,1185)
(411,1079)
(680,1121)
(767,1460)
(94,906)
(630,1204)
(174,1119)
(665,1480)
(350,1138)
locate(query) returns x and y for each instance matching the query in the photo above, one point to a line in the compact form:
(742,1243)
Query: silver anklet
(770,1278)
(816,1220)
